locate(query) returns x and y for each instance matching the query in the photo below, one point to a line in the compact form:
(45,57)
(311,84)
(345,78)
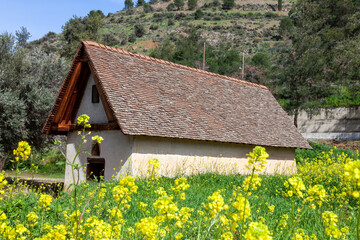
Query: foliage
(179,4)
(139,30)
(147,7)
(29,81)
(22,36)
(192,4)
(318,149)
(324,35)
(189,51)
(128,4)
(78,29)
(228,4)
(140,3)
(279,5)
(198,14)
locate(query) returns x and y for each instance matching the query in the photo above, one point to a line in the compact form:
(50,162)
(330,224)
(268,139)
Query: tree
(139,30)
(324,35)
(198,14)
(128,4)
(78,29)
(279,5)
(192,4)
(22,36)
(140,3)
(147,8)
(228,4)
(179,4)
(93,22)
(29,81)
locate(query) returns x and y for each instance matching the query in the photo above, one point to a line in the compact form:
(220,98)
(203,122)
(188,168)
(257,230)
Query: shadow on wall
(331,123)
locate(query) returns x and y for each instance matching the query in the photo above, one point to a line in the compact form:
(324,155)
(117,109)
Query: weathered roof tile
(158,98)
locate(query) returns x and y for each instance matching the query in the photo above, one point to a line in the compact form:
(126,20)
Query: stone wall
(331,123)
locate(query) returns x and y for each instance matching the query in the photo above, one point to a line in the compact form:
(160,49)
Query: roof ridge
(121,51)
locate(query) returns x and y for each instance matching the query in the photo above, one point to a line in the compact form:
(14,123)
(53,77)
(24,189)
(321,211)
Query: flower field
(320,202)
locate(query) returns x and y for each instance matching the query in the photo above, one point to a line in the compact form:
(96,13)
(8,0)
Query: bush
(198,14)
(170,22)
(139,30)
(132,37)
(154,27)
(228,4)
(192,4)
(171,7)
(271,15)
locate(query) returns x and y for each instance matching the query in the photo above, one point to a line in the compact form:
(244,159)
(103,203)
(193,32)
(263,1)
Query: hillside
(249,26)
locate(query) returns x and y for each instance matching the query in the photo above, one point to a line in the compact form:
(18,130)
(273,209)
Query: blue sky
(41,16)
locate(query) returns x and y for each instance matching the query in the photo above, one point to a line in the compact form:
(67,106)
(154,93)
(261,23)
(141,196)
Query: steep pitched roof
(152,97)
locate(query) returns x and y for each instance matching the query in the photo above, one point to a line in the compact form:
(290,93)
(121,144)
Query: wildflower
(148,227)
(3,184)
(316,194)
(258,231)
(58,232)
(178,236)
(352,177)
(23,150)
(227,236)
(217,204)
(166,207)
(271,208)
(97,229)
(295,186)
(45,201)
(161,191)
(242,205)
(97,138)
(252,182)
(83,120)
(257,159)
(122,192)
(331,229)
(154,167)
(32,218)
(141,205)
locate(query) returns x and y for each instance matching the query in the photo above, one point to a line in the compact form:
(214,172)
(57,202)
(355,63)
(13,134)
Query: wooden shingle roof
(152,97)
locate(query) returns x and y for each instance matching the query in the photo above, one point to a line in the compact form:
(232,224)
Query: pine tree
(128,4)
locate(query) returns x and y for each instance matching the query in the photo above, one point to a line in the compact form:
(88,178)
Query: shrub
(228,4)
(139,30)
(198,14)
(171,7)
(154,26)
(192,4)
(170,22)
(132,37)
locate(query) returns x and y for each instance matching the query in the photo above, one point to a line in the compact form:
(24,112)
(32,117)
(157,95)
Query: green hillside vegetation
(306,53)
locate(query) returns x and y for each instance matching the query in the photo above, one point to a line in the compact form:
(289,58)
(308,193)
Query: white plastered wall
(187,157)
(95,111)
(115,149)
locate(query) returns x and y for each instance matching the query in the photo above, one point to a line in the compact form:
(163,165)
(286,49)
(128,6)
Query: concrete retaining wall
(331,123)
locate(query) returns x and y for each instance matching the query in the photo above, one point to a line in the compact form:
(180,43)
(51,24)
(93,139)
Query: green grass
(318,149)
(201,187)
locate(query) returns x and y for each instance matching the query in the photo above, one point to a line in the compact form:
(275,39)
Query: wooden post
(203,67)
(243,67)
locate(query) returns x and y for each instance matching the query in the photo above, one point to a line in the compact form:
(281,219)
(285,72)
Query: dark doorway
(95,168)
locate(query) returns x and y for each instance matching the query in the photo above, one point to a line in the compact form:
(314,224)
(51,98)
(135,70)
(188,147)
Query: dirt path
(36,177)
